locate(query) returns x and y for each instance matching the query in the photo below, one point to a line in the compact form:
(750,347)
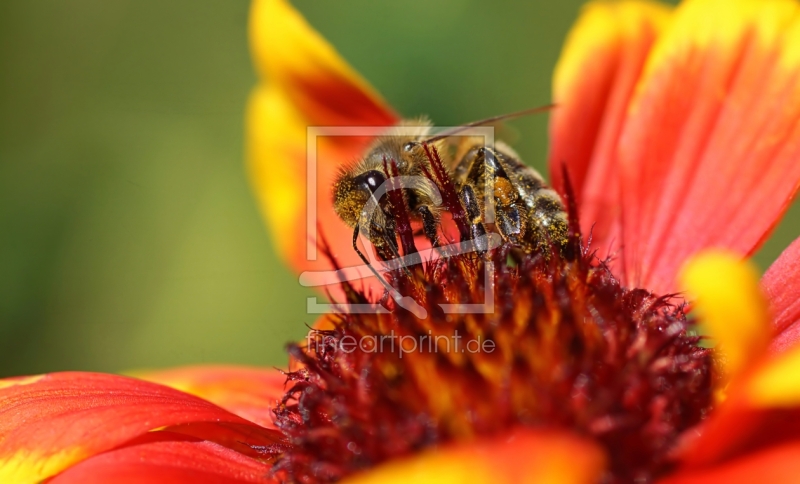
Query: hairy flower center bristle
(510,339)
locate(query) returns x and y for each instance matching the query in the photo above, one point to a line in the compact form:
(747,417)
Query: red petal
(250,393)
(709,151)
(737,432)
(277,142)
(171,459)
(51,422)
(775,465)
(762,410)
(594,80)
(307,84)
(781,283)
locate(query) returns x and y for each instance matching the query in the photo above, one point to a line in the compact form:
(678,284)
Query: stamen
(398,208)
(449,194)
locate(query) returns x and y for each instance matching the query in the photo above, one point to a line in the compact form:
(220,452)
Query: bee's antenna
(482,122)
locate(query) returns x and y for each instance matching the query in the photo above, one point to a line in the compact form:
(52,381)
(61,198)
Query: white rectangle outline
(315,132)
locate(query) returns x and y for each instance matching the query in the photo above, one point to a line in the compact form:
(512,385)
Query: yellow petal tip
(27,466)
(724,291)
(602,26)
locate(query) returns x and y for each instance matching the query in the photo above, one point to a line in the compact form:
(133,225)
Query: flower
(677,133)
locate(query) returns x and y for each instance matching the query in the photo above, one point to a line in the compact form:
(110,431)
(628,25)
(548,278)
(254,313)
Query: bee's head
(352,191)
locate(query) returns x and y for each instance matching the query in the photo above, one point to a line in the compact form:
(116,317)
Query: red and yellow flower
(679,131)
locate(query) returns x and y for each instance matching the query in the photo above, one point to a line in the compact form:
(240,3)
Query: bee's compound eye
(410,146)
(370,180)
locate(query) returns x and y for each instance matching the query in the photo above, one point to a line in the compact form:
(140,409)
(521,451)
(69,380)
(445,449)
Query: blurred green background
(128,234)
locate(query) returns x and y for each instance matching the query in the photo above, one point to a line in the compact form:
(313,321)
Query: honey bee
(527,213)
(366,181)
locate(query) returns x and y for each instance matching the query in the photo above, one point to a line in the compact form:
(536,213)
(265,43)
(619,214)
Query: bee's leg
(380,278)
(477,230)
(389,233)
(509,223)
(507,214)
(429,224)
(366,261)
(390,251)
(484,180)
(488,172)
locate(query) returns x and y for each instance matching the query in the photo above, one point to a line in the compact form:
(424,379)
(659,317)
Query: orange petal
(781,283)
(708,154)
(775,384)
(522,457)
(775,465)
(50,422)
(167,458)
(592,85)
(250,393)
(762,409)
(306,84)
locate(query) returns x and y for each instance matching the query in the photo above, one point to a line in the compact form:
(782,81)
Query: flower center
(511,339)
